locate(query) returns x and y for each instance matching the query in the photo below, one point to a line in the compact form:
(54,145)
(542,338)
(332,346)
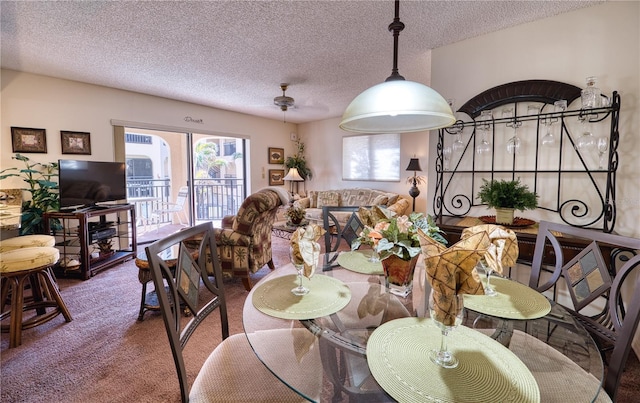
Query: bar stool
(33,265)
(26,241)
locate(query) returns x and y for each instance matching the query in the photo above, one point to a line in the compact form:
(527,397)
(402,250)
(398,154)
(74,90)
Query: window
(371,157)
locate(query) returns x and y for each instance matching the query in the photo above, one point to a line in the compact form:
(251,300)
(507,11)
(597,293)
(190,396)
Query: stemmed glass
(447,318)
(458,144)
(484,123)
(558,107)
(488,270)
(513,144)
(300,289)
(587,141)
(603,146)
(446,155)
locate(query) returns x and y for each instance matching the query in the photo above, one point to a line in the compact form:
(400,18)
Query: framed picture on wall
(276,155)
(75,142)
(276,177)
(28,140)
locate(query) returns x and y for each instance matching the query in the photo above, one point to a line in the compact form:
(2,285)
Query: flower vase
(398,274)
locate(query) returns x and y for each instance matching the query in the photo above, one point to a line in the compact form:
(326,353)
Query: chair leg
(271,265)
(17,301)
(247,283)
(53,290)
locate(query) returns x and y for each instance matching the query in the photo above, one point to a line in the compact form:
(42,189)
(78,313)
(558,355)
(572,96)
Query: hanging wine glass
(299,265)
(603,146)
(558,107)
(513,144)
(587,141)
(458,144)
(446,155)
(447,314)
(484,124)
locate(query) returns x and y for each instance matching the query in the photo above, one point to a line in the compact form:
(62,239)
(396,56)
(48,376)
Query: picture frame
(276,155)
(276,177)
(28,140)
(75,142)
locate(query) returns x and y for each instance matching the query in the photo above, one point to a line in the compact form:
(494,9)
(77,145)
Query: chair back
(597,269)
(179,262)
(335,232)
(257,213)
(183,195)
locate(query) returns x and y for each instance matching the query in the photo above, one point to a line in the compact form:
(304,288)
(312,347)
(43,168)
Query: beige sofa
(349,197)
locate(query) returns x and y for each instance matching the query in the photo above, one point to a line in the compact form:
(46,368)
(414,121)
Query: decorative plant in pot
(294,215)
(299,161)
(505,197)
(43,190)
(395,241)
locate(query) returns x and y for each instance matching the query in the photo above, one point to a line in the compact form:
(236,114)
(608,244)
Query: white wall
(599,41)
(43,102)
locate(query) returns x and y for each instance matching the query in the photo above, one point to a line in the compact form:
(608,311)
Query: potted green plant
(44,193)
(299,161)
(505,196)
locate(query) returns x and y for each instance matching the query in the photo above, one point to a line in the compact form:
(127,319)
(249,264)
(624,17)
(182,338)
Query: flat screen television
(87,183)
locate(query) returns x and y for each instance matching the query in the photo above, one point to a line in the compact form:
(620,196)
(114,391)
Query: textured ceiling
(234,54)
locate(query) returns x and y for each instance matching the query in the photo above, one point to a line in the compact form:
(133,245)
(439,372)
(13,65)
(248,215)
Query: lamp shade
(414,165)
(293,176)
(397,106)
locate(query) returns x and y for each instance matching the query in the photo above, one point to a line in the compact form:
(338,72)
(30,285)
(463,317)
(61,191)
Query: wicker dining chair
(232,372)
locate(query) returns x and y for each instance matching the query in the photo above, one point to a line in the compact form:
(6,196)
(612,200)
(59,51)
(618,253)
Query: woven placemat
(326,295)
(514,301)
(398,357)
(358,261)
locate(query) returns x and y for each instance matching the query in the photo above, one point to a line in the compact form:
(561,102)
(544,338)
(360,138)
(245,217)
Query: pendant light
(397,105)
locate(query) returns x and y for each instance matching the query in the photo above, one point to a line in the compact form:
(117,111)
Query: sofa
(316,199)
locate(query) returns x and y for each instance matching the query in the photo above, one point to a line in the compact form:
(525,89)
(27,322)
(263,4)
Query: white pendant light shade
(397,106)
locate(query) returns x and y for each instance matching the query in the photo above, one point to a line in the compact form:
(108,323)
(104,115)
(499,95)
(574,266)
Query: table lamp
(414,165)
(293,176)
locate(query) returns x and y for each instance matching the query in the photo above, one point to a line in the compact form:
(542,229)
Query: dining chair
(599,283)
(335,232)
(232,372)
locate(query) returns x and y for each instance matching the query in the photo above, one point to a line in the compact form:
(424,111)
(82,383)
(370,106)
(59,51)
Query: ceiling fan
(283,101)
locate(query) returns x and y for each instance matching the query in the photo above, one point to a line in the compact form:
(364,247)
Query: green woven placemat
(514,301)
(358,261)
(398,357)
(326,295)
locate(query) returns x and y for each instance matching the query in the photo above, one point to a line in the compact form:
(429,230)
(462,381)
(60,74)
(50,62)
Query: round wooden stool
(22,266)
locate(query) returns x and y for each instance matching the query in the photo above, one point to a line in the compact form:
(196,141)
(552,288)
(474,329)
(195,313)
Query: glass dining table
(333,344)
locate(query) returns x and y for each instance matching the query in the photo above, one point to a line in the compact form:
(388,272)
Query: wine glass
(458,144)
(447,314)
(446,155)
(484,123)
(603,146)
(513,144)
(488,270)
(300,289)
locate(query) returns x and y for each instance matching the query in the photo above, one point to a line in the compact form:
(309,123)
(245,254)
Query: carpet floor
(106,355)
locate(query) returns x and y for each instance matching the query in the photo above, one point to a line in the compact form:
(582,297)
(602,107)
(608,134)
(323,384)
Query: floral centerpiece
(395,240)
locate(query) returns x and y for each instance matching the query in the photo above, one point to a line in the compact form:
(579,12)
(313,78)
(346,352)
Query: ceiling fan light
(283,102)
(398,106)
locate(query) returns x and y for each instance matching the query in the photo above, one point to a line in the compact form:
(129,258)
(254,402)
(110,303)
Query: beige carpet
(106,355)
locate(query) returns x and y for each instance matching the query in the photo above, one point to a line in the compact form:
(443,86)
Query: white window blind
(371,157)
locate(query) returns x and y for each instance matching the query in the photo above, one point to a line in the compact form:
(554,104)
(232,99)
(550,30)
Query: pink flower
(403,224)
(381,226)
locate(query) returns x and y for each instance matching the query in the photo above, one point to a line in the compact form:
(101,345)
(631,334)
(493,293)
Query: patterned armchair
(244,241)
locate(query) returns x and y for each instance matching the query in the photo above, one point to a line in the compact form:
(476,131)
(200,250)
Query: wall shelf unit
(576,182)
(79,233)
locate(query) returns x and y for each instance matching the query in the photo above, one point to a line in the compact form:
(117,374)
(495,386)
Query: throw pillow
(393,198)
(328,199)
(313,198)
(380,200)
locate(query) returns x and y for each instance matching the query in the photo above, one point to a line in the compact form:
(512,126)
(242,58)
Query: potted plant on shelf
(505,196)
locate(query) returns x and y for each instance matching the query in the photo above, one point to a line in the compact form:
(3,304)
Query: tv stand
(98,237)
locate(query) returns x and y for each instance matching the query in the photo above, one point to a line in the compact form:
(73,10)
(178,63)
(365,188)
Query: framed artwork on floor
(276,177)
(75,142)
(28,140)
(276,155)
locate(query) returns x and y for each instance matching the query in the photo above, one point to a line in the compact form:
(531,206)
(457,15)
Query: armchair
(244,241)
